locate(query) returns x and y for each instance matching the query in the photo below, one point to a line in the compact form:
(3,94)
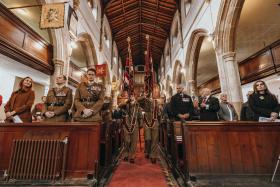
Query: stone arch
(89,47)
(176,69)
(228,18)
(225,34)
(192,55)
(168,87)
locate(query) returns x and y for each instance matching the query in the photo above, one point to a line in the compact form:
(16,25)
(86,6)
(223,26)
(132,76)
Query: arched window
(95,11)
(187,6)
(106,38)
(93,5)
(175,34)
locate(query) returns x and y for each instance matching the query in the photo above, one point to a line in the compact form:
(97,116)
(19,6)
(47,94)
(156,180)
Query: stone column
(193,91)
(231,83)
(58,70)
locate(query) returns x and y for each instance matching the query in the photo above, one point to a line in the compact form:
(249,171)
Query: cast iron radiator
(37,159)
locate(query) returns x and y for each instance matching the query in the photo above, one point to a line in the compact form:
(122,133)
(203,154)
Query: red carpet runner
(140,174)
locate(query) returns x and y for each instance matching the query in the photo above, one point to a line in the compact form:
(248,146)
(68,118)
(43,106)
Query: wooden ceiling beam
(125,28)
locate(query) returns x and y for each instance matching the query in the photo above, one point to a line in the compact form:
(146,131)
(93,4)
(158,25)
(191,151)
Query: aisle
(140,174)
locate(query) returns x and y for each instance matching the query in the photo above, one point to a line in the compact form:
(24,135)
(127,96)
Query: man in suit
(208,106)
(227,111)
(182,105)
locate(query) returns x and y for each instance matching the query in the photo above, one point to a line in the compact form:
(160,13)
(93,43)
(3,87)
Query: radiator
(37,159)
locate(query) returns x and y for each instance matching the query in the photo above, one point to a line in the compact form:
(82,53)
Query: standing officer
(89,99)
(150,108)
(130,128)
(58,102)
(182,105)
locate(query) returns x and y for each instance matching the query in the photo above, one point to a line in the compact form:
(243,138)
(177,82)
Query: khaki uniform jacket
(88,97)
(106,110)
(21,102)
(59,101)
(148,105)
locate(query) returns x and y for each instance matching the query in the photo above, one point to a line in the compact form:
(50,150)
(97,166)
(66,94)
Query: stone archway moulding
(90,48)
(192,54)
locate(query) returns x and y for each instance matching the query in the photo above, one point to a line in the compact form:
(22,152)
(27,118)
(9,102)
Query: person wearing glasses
(89,99)
(263,102)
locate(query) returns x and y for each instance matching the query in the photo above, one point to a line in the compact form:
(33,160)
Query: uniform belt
(55,104)
(88,100)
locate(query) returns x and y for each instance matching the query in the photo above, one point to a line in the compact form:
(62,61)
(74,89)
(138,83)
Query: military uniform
(88,96)
(106,110)
(130,129)
(59,101)
(150,123)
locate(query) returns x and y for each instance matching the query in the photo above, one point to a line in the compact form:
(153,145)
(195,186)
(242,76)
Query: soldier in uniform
(106,110)
(150,123)
(58,102)
(89,99)
(130,128)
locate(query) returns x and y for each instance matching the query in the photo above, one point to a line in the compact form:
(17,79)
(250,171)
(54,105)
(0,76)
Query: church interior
(140,93)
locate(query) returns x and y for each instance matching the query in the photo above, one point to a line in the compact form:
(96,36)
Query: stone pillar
(58,70)
(231,83)
(193,91)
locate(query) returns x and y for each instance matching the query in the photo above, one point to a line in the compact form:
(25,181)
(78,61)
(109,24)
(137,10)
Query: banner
(101,70)
(52,16)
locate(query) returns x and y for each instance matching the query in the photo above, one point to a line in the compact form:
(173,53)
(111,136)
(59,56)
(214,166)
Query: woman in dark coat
(263,103)
(20,102)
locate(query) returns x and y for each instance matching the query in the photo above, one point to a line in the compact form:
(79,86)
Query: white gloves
(87,113)
(49,114)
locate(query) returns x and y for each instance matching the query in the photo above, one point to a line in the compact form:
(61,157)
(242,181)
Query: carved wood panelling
(19,42)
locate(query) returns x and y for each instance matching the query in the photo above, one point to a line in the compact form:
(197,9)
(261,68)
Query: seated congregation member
(182,105)
(37,114)
(89,99)
(227,111)
(58,102)
(247,113)
(263,103)
(20,102)
(208,106)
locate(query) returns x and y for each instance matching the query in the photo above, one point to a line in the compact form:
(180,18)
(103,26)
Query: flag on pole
(101,70)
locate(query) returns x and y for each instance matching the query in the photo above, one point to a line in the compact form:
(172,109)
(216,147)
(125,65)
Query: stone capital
(58,62)
(191,81)
(229,56)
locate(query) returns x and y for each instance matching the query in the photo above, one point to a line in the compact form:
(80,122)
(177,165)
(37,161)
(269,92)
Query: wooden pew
(84,154)
(223,148)
(83,149)
(230,148)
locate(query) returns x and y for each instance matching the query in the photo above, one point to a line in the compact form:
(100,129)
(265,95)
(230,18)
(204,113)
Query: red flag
(101,70)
